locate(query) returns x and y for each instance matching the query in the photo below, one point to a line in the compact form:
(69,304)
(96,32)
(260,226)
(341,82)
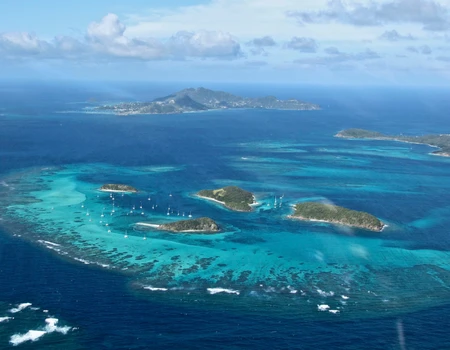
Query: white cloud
(308,45)
(247,19)
(109,28)
(204,44)
(22,43)
(430,14)
(107,39)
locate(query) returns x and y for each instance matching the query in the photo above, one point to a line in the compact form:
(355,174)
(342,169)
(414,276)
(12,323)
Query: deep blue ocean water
(270,152)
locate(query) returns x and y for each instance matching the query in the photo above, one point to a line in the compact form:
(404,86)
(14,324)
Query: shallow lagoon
(389,279)
(260,254)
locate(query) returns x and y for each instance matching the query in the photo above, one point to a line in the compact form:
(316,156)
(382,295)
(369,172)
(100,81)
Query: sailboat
(126,234)
(190,214)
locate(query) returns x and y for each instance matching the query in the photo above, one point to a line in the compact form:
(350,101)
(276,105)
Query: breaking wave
(19,308)
(34,335)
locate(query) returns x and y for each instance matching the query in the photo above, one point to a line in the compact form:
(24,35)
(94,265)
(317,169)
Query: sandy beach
(334,222)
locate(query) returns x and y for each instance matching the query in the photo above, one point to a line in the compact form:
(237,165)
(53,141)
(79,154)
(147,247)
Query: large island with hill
(232,197)
(201,99)
(441,141)
(118,188)
(323,212)
(200,225)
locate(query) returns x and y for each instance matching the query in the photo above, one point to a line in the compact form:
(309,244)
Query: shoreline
(138,112)
(116,191)
(438,152)
(160,227)
(226,206)
(301,218)
(147,224)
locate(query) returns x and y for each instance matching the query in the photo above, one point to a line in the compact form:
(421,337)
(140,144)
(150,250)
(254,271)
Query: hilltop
(201,99)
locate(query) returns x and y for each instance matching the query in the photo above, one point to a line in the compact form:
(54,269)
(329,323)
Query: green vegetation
(201,99)
(335,214)
(205,225)
(441,141)
(359,134)
(117,188)
(232,197)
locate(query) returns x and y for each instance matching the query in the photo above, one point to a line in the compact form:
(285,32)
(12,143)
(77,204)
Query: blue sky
(280,41)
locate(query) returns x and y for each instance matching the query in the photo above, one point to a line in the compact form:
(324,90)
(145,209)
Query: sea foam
(5,319)
(31,335)
(19,308)
(323,307)
(34,335)
(155,289)
(222,290)
(325,294)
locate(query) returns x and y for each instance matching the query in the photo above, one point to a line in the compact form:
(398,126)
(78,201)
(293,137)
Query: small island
(232,197)
(441,141)
(201,99)
(118,188)
(323,212)
(201,225)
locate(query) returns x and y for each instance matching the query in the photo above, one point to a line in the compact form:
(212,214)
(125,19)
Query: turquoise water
(259,254)
(262,264)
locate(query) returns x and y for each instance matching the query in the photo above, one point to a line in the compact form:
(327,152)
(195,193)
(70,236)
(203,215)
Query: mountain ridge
(202,99)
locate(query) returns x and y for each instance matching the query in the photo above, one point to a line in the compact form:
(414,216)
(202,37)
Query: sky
(401,42)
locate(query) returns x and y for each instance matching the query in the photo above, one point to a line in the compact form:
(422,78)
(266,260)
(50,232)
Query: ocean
(77,273)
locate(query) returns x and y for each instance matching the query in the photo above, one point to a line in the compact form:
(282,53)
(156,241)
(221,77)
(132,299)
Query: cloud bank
(107,39)
(430,14)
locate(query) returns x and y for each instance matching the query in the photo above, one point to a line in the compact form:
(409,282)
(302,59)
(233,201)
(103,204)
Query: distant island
(232,197)
(316,211)
(201,99)
(203,225)
(441,141)
(117,188)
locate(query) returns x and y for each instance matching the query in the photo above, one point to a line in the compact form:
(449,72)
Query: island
(200,225)
(441,141)
(232,197)
(324,212)
(117,188)
(201,99)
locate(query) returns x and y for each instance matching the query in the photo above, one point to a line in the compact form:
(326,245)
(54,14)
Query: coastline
(226,206)
(160,227)
(116,191)
(147,224)
(135,112)
(438,152)
(301,218)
